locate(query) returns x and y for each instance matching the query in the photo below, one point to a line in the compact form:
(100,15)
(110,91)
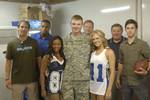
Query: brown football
(141,64)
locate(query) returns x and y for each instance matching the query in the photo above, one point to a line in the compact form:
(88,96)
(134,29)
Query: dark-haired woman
(52,70)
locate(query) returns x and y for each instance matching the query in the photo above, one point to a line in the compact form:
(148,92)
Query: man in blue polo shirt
(43,37)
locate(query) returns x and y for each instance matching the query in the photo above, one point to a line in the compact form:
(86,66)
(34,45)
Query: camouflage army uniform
(77,72)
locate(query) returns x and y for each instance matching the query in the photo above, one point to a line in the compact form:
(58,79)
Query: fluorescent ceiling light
(143,5)
(115,9)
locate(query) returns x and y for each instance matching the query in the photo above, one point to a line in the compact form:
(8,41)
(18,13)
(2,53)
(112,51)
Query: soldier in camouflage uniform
(77,72)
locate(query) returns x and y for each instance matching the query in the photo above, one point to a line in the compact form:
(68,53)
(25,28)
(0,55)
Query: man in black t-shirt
(21,59)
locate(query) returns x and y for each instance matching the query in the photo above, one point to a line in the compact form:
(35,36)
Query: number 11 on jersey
(99,68)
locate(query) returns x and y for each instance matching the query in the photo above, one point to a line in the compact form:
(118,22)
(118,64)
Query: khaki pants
(31,91)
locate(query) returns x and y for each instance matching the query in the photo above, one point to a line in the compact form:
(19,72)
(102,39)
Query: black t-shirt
(24,56)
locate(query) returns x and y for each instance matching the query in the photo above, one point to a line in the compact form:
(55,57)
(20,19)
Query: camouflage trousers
(75,90)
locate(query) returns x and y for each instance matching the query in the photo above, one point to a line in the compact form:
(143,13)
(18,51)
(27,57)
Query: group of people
(82,66)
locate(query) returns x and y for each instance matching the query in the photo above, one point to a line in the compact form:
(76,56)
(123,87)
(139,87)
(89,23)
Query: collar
(122,39)
(24,40)
(40,37)
(134,41)
(72,36)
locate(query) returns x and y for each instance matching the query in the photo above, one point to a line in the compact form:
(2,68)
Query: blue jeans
(141,91)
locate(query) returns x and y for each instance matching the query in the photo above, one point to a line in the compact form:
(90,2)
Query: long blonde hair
(102,35)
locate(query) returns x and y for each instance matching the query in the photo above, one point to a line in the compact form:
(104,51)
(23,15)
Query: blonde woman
(102,58)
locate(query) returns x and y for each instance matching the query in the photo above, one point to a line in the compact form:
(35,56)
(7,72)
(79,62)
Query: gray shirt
(128,55)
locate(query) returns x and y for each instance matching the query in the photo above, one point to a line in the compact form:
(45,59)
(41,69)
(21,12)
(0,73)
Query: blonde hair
(102,36)
(77,17)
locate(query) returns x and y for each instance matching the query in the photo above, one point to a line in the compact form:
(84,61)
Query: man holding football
(132,51)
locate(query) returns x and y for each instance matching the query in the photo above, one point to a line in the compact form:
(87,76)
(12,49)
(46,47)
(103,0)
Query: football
(141,64)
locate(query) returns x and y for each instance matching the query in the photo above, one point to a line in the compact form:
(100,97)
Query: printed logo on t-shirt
(25,48)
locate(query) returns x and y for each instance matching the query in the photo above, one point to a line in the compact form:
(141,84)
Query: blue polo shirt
(43,42)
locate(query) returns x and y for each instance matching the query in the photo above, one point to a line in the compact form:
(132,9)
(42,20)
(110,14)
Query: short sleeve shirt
(24,56)
(43,42)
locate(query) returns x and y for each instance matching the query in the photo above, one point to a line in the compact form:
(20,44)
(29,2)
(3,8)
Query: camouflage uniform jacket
(77,52)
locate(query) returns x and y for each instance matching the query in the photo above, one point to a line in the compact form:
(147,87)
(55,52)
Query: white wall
(90,9)
(8,12)
(146,21)
(5,94)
